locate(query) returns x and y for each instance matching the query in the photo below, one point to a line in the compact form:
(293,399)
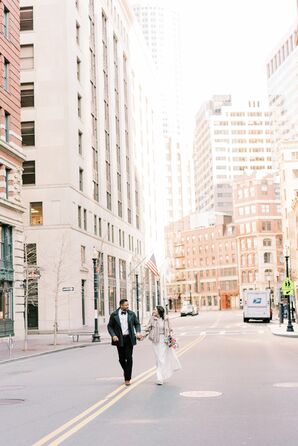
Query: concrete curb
(49,352)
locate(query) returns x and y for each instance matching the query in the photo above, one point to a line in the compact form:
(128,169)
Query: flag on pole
(151,265)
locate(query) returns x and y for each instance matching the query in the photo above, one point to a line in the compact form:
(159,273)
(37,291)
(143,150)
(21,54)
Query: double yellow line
(75,424)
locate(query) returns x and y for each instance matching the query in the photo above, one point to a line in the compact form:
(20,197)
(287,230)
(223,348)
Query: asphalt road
(76,397)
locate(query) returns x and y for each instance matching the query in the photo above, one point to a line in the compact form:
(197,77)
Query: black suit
(125,343)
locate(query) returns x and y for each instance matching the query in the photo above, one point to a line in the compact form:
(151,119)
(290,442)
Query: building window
(113,234)
(28,172)
(109,232)
(266,226)
(267,242)
(95,225)
(26,19)
(78,69)
(6,185)
(111,266)
(27,57)
(78,33)
(81,179)
(31,253)
(119,209)
(79,216)
(27,95)
(79,105)
(80,139)
(36,214)
(85,219)
(99,227)
(6,75)
(83,255)
(109,201)
(265,209)
(6,22)
(28,133)
(122,269)
(267,257)
(6,124)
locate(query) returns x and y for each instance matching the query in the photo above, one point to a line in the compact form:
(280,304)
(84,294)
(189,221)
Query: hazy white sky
(226,44)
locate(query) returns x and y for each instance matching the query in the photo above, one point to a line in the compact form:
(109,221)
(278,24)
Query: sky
(225,45)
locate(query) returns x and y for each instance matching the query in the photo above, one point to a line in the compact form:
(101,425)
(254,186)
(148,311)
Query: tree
(31,274)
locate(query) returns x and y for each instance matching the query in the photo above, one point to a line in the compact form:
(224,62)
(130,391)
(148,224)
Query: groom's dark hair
(122,301)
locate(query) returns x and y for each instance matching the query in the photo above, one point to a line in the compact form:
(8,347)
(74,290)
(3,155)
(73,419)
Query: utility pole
(137,296)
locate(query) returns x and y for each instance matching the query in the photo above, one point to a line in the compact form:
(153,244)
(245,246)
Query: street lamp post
(137,296)
(290,326)
(95,336)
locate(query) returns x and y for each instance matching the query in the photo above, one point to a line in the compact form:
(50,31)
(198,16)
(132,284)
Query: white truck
(257,305)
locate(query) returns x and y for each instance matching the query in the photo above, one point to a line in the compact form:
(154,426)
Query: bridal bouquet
(171,342)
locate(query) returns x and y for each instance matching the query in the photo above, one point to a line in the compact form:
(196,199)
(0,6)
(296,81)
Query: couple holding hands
(125,329)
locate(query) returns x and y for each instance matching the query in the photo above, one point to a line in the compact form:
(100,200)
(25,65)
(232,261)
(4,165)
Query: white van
(256,305)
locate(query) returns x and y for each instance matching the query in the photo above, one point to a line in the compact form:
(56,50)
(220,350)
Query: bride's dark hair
(161,311)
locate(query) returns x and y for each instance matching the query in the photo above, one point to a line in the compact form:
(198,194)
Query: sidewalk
(278,329)
(42,343)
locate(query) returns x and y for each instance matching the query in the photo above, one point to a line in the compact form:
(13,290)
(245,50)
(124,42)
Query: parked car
(189,310)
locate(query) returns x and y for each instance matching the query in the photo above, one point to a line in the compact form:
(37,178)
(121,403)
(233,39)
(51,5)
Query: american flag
(151,265)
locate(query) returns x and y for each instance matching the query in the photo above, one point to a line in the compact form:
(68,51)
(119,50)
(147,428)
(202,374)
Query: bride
(159,330)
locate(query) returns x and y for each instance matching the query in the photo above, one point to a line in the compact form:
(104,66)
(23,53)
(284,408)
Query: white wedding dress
(167,361)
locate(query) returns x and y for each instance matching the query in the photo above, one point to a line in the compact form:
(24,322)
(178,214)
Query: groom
(124,329)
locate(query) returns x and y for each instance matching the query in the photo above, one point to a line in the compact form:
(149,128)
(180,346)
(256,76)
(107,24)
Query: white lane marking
(203,333)
(286,385)
(182,334)
(223,332)
(261,331)
(201,394)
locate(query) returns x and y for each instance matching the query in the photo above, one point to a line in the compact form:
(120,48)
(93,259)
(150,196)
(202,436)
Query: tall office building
(82,187)
(160,24)
(282,74)
(11,158)
(230,140)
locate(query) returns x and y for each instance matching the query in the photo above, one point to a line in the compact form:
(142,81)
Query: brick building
(203,263)
(11,158)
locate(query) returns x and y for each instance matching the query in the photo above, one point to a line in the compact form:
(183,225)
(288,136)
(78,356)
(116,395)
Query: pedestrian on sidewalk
(160,334)
(125,329)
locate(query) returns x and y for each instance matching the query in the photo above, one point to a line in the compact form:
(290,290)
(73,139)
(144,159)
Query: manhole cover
(201,394)
(286,385)
(10,401)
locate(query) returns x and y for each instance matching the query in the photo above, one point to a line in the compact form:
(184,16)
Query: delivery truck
(256,305)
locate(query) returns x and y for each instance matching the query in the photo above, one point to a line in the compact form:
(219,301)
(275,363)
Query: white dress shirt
(124,322)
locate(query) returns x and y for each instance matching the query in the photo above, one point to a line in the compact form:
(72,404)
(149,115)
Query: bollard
(281,313)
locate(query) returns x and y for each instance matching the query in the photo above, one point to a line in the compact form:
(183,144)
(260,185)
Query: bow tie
(123,312)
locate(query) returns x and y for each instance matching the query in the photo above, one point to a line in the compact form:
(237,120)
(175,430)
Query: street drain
(287,385)
(10,401)
(201,394)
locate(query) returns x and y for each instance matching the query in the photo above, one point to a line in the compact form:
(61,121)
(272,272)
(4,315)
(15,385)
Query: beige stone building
(257,216)
(84,188)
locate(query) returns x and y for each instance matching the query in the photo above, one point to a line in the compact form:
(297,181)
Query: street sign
(288,287)
(68,288)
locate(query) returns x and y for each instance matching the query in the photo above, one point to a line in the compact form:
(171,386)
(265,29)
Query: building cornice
(7,148)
